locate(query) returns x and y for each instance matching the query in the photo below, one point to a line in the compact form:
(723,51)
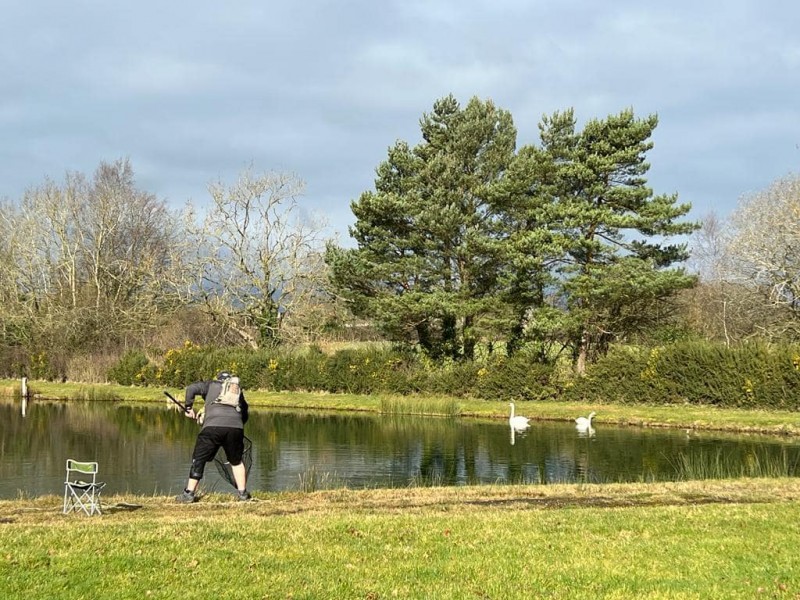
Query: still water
(146,449)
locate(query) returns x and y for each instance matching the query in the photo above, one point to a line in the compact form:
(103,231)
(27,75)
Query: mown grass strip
(734,539)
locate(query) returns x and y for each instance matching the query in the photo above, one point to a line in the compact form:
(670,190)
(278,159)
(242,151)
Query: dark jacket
(217,415)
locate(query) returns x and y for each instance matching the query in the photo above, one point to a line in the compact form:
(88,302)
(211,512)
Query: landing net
(224,467)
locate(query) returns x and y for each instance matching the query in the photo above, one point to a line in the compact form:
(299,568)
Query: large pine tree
(559,243)
(616,267)
(423,269)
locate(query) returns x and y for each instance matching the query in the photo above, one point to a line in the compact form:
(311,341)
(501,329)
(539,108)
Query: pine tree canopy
(466,238)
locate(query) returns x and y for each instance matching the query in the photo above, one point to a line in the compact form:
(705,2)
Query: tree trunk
(469,339)
(423,336)
(583,353)
(450,336)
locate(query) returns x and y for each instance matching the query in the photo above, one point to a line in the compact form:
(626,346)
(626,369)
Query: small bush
(450,378)
(357,371)
(516,377)
(616,377)
(129,369)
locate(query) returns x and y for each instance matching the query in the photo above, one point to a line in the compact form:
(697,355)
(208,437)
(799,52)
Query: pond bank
(642,415)
(474,498)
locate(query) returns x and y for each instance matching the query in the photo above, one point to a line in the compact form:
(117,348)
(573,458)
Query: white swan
(517,422)
(585,423)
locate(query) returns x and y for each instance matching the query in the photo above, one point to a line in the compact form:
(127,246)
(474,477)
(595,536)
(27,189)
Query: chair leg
(82,499)
(94,504)
(71,500)
(75,500)
(86,503)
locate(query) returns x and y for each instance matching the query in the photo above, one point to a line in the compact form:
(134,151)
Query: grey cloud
(195,91)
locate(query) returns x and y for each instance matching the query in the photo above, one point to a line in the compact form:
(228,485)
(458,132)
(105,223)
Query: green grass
(312,480)
(738,539)
(721,465)
(97,393)
(405,405)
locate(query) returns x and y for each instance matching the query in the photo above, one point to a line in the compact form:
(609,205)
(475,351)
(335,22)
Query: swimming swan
(517,422)
(584,423)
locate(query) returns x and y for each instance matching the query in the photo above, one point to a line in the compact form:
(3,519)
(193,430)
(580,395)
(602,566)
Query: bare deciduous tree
(90,257)
(749,268)
(259,257)
(9,293)
(709,303)
(125,238)
(765,249)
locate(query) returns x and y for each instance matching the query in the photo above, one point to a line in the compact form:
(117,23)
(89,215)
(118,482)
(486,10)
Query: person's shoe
(186,497)
(243,496)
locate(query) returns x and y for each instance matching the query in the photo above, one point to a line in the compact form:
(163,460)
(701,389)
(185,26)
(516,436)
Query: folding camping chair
(81,488)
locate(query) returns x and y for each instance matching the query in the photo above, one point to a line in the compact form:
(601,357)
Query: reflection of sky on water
(146,449)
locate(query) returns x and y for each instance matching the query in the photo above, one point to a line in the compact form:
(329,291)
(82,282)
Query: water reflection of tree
(457,451)
(430,450)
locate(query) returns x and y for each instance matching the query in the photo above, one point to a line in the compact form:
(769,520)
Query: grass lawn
(713,539)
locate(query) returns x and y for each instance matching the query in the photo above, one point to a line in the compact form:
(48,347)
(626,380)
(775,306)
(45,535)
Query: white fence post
(24,395)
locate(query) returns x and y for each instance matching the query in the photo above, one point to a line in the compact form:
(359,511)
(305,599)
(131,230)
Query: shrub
(750,375)
(130,368)
(518,377)
(698,372)
(353,371)
(619,376)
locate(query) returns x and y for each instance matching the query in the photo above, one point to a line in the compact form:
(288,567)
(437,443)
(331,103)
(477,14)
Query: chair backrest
(76,469)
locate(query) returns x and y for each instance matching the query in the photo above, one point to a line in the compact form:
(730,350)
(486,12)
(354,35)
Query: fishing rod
(171,397)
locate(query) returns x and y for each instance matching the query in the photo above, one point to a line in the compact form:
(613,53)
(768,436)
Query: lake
(146,449)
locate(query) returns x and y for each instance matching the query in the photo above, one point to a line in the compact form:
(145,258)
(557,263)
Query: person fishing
(225,413)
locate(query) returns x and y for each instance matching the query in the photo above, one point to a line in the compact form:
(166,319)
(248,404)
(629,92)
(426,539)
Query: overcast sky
(196,91)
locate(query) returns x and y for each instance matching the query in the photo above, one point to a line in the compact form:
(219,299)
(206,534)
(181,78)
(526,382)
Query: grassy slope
(731,539)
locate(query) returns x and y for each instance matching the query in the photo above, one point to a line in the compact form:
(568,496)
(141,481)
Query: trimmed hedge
(352,371)
(750,375)
(754,375)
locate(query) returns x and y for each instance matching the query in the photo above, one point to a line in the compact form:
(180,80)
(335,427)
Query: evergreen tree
(559,243)
(526,237)
(615,271)
(424,269)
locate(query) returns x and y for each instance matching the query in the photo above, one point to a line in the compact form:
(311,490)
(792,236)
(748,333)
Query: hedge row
(752,375)
(353,371)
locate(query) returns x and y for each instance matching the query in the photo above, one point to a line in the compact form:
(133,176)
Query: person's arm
(198,388)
